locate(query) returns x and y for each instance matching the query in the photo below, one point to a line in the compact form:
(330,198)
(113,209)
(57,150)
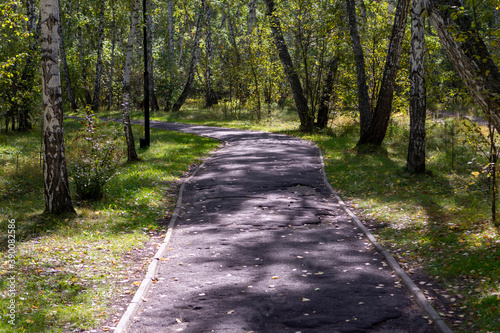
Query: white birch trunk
(469,55)
(416,150)
(129,136)
(55,175)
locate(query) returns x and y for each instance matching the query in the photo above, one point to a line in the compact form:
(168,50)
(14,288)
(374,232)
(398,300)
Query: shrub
(95,157)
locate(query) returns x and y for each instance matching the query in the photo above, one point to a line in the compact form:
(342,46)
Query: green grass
(70,271)
(439,222)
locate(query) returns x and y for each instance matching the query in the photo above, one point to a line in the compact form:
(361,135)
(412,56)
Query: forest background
(223,63)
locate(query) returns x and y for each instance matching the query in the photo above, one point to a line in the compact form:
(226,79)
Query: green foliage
(94,157)
(19,79)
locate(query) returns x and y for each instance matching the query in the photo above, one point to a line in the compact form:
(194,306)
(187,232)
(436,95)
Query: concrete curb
(141,293)
(420,298)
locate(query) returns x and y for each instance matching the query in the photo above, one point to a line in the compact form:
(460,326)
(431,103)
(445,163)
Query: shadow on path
(261,245)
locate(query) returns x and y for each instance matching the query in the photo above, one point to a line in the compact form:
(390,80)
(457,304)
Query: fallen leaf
(230,312)
(305,299)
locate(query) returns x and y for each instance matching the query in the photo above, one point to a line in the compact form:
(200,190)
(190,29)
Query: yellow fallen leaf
(137,283)
(275,277)
(305,299)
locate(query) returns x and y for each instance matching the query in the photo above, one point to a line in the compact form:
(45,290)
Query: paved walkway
(261,245)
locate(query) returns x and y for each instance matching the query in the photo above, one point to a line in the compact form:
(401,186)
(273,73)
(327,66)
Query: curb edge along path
(139,297)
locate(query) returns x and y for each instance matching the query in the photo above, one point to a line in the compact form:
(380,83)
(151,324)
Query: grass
(437,225)
(78,272)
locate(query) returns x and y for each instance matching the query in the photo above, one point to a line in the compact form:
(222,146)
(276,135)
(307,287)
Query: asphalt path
(261,245)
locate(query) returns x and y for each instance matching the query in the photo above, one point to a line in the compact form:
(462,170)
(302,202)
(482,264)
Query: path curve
(261,245)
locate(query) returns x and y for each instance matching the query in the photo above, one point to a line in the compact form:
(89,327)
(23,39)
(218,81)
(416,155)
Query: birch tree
(98,70)
(365,116)
(469,54)
(305,116)
(55,175)
(375,133)
(416,150)
(69,87)
(210,95)
(195,57)
(129,136)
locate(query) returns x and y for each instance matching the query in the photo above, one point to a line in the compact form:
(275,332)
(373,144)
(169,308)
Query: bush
(95,157)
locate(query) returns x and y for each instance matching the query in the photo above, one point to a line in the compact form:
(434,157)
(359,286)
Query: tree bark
(171,53)
(69,87)
(469,55)
(55,175)
(194,62)
(416,149)
(252,16)
(129,136)
(112,65)
(87,98)
(375,133)
(210,95)
(152,94)
(305,116)
(365,115)
(98,70)
(326,96)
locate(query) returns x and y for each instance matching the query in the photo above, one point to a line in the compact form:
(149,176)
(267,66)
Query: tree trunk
(112,65)
(26,80)
(152,94)
(326,96)
(98,70)
(375,133)
(194,61)
(306,118)
(69,87)
(87,99)
(210,95)
(469,55)
(55,175)
(171,31)
(129,136)
(416,149)
(365,115)
(252,16)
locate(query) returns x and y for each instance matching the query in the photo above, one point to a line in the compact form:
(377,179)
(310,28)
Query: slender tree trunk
(112,65)
(55,175)
(29,68)
(252,15)
(416,149)
(365,115)
(375,133)
(469,55)
(306,118)
(171,50)
(69,87)
(210,95)
(87,99)
(194,62)
(326,96)
(98,70)
(129,136)
(152,94)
